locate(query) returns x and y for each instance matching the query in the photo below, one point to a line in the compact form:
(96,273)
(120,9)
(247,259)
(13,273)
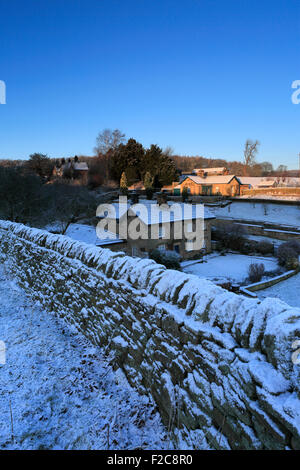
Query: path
(60,391)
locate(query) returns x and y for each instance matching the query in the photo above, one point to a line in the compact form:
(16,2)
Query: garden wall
(266,230)
(218,365)
(278,191)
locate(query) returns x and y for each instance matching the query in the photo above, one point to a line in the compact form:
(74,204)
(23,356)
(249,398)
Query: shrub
(288,253)
(95,173)
(256,272)
(170,259)
(292,263)
(231,235)
(294,244)
(248,246)
(149,193)
(134,198)
(265,247)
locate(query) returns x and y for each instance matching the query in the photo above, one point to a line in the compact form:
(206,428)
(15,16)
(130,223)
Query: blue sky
(199,76)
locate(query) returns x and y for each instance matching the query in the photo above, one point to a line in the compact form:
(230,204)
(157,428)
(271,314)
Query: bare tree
(266,168)
(108,140)
(106,143)
(250,151)
(169,151)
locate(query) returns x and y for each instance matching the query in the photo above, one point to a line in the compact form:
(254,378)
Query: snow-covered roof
(256,181)
(288,180)
(89,234)
(214,179)
(80,166)
(150,213)
(211,170)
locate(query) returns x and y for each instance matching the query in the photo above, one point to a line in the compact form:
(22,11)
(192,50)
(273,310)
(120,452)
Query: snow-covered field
(59,392)
(287,290)
(287,215)
(231,267)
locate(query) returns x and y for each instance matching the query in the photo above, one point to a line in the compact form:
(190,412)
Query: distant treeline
(115,155)
(188,163)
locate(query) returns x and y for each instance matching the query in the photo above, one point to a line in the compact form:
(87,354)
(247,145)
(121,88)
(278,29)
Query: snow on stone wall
(218,365)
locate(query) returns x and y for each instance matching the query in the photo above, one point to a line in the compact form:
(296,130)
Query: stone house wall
(224,189)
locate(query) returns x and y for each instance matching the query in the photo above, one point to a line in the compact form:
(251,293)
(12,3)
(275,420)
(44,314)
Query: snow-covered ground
(82,233)
(270,197)
(283,214)
(287,290)
(261,238)
(231,267)
(59,392)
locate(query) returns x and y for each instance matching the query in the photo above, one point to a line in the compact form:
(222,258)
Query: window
(161,232)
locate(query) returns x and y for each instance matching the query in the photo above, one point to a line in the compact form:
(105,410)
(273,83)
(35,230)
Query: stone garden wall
(218,365)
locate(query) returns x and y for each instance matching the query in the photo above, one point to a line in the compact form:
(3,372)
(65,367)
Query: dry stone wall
(218,365)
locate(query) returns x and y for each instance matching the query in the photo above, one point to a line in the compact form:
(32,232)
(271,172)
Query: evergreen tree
(148,183)
(127,157)
(123,183)
(148,180)
(160,165)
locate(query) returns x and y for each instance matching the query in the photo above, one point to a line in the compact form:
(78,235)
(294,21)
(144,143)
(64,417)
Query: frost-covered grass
(61,392)
(231,267)
(287,290)
(261,238)
(282,214)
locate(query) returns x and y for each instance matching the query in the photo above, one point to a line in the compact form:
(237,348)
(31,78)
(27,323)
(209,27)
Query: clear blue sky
(201,76)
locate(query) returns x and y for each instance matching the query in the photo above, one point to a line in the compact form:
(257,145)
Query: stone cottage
(183,228)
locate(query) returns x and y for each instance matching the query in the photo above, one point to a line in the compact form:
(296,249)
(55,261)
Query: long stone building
(219,185)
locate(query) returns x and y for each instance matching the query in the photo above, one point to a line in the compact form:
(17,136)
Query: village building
(160,227)
(71,169)
(218,185)
(138,186)
(257,182)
